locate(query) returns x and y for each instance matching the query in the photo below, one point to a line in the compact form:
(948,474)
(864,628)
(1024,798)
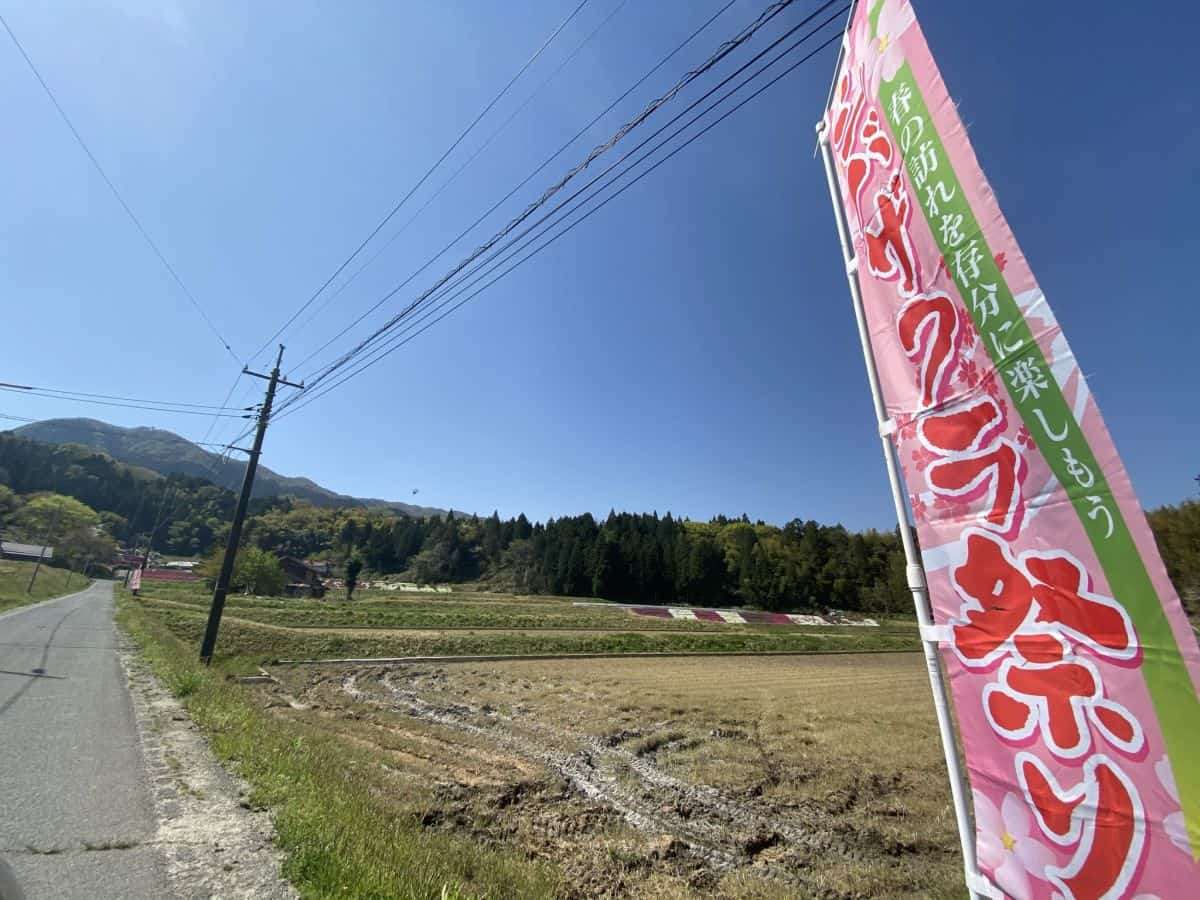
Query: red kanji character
(889,251)
(1037,606)
(996,474)
(928,329)
(1118,725)
(1065,602)
(1002,597)
(1040,647)
(1050,698)
(1102,817)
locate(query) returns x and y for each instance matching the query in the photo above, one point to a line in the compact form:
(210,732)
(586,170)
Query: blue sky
(690,348)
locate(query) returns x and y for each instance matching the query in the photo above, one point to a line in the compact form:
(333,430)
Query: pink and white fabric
(1073,669)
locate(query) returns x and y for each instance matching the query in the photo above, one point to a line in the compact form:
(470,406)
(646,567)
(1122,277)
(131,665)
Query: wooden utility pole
(42,555)
(239,516)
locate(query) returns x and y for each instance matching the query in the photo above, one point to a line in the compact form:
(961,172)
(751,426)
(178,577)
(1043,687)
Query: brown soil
(770,777)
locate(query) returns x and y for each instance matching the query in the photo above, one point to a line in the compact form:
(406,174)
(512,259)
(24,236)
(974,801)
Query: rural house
(301,579)
(32,552)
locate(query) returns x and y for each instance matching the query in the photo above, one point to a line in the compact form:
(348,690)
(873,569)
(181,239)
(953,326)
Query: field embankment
(257,629)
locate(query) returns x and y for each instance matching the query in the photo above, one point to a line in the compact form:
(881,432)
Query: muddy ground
(739,777)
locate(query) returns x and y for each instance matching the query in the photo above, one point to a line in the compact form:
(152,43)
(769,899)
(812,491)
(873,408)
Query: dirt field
(739,777)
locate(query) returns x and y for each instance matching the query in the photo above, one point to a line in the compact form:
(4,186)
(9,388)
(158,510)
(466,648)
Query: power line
(84,394)
(395,209)
(722,51)
(446,279)
(112,187)
(16,418)
(333,295)
(158,406)
(224,403)
(396,342)
(512,247)
(582,131)
(400,339)
(138,405)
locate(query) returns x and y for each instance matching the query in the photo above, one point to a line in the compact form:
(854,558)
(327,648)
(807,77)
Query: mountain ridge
(168,453)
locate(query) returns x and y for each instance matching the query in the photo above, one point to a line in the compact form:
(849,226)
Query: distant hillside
(166,452)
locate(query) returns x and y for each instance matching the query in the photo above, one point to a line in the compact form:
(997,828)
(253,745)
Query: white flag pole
(977,884)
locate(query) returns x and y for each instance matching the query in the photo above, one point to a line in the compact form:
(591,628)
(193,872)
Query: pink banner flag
(1073,670)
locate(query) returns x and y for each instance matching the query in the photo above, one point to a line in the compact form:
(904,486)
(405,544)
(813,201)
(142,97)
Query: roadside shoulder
(214,845)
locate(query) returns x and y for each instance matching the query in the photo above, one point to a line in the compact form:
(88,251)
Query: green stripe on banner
(1037,396)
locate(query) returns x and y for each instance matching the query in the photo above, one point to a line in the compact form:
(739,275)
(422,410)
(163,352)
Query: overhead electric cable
(396,342)
(485,248)
(516,244)
(334,294)
(722,51)
(399,339)
(464,281)
(68,394)
(395,209)
(224,403)
(549,159)
(148,407)
(116,193)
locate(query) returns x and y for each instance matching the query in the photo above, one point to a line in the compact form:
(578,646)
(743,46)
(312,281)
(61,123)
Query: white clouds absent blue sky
(691,347)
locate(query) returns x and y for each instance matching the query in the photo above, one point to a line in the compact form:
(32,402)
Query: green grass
(341,835)
(467,611)
(14,579)
(244,645)
(185,682)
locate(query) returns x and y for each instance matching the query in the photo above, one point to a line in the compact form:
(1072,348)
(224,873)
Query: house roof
(297,565)
(12,548)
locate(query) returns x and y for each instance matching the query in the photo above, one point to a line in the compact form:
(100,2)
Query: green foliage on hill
(626,557)
(169,454)
(185,514)
(636,558)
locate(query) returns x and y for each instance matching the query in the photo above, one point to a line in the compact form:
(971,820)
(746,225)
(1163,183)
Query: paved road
(75,802)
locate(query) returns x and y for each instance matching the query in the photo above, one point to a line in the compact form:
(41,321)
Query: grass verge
(14,579)
(340,834)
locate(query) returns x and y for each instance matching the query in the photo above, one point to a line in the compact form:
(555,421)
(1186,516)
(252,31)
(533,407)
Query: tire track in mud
(715,829)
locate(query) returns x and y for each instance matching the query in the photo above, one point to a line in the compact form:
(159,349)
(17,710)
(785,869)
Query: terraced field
(256,629)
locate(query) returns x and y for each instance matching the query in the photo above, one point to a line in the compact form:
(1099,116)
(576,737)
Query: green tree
(9,502)
(353,567)
(431,565)
(86,545)
(256,571)
(53,511)
(1177,531)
